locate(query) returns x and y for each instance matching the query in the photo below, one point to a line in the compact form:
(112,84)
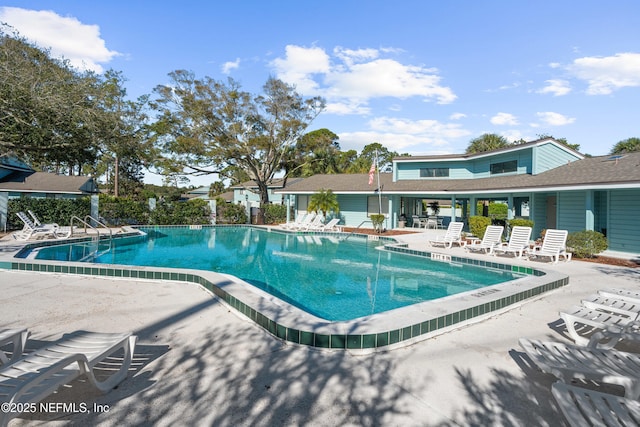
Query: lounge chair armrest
(48,372)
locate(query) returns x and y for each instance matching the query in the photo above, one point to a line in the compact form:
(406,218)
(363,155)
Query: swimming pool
(329,277)
(387,330)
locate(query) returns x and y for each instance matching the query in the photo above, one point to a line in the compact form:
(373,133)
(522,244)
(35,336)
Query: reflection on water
(332,279)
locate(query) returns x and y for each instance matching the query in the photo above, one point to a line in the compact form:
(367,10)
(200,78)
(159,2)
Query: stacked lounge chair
(594,359)
(29,379)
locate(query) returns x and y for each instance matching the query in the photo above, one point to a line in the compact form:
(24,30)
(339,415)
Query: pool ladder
(96,237)
(356,229)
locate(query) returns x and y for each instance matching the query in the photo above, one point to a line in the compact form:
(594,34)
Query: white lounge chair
(492,238)
(625,294)
(583,407)
(592,319)
(41,373)
(313,225)
(453,235)
(612,304)
(31,230)
(306,221)
(553,246)
(570,361)
(15,337)
(294,224)
(518,242)
(330,226)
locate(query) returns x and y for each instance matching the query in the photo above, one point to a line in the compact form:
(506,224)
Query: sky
(420,77)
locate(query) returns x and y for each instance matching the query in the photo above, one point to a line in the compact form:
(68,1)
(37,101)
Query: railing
(89,224)
(356,229)
(95,238)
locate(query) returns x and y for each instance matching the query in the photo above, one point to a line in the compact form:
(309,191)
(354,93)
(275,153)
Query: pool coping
(383,331)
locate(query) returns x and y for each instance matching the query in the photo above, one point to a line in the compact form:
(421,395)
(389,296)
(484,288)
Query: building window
(302,202)
(373,205)
(434,172)
(504,167)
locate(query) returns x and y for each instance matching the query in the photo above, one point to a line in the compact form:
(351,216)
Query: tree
(50,114)
(205,126)
(317,152)
(487,142)
(368,156)
(562,141)
(628,145)
(324,201)
(125,148)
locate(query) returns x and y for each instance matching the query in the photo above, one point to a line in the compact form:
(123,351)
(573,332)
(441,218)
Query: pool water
(328,277)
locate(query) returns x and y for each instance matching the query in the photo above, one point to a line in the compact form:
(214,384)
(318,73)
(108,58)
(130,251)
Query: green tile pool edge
(312,339)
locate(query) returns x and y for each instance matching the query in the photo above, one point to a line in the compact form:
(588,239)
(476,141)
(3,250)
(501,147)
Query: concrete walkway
(199,363)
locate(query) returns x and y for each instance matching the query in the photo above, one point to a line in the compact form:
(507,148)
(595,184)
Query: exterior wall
(623,232)
(482,167)
(549,156)
(571,211)
(411,170)
(539,213)
(478,168)
(239,196)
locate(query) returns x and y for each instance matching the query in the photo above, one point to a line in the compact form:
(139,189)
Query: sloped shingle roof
(588,172)
(43,182)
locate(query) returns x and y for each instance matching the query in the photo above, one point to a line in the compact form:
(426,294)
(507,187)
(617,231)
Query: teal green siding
(411,170)
(571,211)
(482,167)
(539,213)
(549,156)
(623,231)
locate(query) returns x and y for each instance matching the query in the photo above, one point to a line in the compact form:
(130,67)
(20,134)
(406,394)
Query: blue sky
(419,77)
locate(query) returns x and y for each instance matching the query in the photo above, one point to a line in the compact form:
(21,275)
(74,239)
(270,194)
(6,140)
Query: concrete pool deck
(200,362)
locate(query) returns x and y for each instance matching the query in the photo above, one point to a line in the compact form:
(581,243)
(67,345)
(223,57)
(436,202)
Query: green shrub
(59,211)
(586,243)
(377,220)
(275,214)
(195,211)
(229,213)
(478,225)
(520,222)
(118,211)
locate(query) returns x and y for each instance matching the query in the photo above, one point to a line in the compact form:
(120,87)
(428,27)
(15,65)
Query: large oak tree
(206,126)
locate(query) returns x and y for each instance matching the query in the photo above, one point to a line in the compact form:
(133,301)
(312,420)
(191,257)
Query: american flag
(372,172)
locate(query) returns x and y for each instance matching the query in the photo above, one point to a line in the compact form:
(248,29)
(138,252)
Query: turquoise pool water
(327,277)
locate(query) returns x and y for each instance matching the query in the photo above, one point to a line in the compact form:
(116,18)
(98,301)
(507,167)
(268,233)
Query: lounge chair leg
(118,377)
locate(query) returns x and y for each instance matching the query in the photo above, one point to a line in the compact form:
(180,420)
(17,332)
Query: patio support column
(453,208)
(95,211)
(473,208)
(589,210)
(4,209)
(510,208)
(288,208)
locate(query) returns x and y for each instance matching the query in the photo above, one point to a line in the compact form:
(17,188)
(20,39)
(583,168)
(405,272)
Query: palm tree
(324,201)
(626,146)
(487,142)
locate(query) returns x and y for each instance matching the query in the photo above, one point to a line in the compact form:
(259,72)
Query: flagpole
(379,188)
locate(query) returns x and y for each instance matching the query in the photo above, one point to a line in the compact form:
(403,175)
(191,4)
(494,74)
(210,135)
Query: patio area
(194,363)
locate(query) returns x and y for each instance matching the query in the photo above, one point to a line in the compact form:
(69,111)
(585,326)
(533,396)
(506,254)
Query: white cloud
(457,116)
(300,65)
(554,119)
(67,37)
(230,65)
(404,135)
(556,87)
(354,77)
(503,119)
(607,74)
